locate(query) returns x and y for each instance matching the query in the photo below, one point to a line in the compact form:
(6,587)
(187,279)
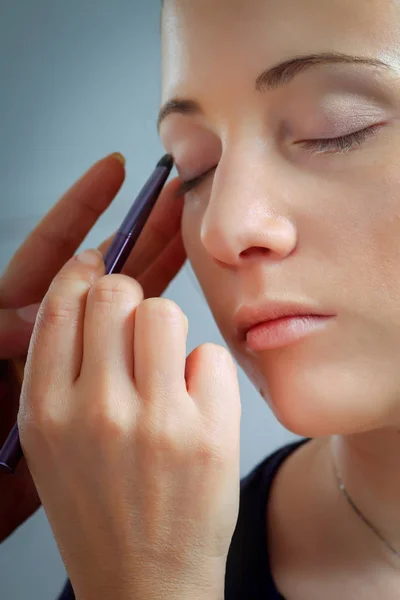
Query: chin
(314,398)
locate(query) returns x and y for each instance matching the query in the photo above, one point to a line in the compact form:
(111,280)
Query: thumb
(16,328)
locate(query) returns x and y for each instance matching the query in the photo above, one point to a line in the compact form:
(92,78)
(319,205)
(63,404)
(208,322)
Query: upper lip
(248,317)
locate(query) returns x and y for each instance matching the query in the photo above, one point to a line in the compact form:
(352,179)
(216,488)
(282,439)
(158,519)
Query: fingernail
(90,257)
(119,157)
(28,313)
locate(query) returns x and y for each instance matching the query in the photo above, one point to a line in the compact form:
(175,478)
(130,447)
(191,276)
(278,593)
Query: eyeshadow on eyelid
(347,102)
(339,115)
(194,163)
(191,159)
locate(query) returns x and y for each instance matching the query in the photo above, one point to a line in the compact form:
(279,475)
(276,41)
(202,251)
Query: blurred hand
(158,256)
(134,448)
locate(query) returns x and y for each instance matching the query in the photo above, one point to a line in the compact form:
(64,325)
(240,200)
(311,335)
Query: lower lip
(285,331)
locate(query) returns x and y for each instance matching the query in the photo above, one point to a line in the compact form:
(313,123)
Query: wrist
(165,595)
(161,591)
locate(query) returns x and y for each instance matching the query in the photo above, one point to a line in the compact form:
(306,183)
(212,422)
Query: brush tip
(166,161)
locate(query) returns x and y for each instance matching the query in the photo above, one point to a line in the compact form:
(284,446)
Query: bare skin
(286,217)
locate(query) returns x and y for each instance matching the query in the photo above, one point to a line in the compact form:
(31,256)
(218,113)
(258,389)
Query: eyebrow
(273,78)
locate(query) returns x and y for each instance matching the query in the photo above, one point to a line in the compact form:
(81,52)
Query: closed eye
(338,145)
(190,184)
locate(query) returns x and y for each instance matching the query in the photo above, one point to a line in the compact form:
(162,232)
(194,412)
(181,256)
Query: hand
(156,259)
(134,448)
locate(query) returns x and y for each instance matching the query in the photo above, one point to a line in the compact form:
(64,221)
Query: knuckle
(161,434)
(164,308)
(215,350)
(50,422)
(57,310)
(217,354)
(210,450)
(112,290)
(106,417)
(41,422)
(54,238)
(108,423)
(71,280)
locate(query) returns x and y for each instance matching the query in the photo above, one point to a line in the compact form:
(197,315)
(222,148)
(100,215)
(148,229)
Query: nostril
(254,251)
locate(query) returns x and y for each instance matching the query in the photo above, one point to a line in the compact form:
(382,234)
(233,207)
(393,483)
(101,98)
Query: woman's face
(286,214)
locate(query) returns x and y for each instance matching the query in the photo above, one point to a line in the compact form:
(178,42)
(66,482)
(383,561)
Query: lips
(249,317)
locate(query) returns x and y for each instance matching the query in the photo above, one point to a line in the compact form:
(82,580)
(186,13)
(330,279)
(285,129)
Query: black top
(248,574)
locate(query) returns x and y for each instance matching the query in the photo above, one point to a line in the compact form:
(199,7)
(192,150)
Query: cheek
(349,243)
(370,240)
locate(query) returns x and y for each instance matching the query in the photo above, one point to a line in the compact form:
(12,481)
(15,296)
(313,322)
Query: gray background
(78,80)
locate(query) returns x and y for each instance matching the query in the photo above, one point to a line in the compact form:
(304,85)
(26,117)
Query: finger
(162,227)
(160,350)
(166,266)
(212,381)
(15,331)
(59,234)
(109,328)
(55,353)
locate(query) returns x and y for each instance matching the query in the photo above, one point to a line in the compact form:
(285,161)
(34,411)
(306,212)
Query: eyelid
(354,131)
(189,184)
(341,144)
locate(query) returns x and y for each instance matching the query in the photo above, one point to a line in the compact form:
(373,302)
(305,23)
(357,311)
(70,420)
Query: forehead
(207,44)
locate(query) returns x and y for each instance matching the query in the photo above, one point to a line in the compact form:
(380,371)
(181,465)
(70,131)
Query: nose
(244,220)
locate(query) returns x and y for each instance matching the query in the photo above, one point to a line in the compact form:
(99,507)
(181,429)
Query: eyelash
(187,186)
(339,145)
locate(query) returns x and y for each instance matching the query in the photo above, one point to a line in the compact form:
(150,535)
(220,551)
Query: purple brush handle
(114,260)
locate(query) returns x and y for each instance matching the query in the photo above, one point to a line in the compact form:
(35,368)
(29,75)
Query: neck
(368,464)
